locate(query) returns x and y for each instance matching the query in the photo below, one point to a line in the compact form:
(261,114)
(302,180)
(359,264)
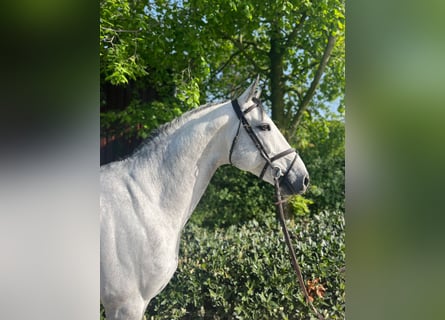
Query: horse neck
(186,159)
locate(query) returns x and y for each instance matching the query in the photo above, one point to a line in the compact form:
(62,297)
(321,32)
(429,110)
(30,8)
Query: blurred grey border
(395,118)
(49,160)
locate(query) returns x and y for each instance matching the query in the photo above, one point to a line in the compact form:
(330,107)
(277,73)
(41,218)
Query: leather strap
(269,161)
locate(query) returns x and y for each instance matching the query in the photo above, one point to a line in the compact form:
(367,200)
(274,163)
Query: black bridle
(257,142)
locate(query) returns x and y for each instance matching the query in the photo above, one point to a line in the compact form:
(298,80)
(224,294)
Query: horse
(147,198)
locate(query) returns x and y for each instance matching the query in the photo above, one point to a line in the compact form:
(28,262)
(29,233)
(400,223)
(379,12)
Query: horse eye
(264,127)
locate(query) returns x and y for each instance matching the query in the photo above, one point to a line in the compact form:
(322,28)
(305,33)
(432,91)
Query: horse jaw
(250,92)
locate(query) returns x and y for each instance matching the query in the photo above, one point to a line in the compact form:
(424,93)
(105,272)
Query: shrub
(322,145)
(234,197)
(244,272)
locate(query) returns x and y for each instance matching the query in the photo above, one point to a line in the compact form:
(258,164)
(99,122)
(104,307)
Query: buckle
(277,172)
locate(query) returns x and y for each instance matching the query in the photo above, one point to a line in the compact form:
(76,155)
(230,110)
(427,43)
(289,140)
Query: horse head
(260,148)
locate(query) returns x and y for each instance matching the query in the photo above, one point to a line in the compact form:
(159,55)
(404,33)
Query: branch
(297,92)
(294,32)
(311,91)
(119,30)
(255,65)
(242,45)
(297,72)
(255,46)
(225,64)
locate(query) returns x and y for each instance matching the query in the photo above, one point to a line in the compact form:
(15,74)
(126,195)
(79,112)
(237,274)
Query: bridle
(265,127)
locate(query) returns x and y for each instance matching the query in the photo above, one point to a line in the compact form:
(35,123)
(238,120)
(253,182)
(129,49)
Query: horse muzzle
(293,181)
(291,186)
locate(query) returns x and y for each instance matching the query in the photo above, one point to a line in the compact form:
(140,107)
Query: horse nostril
(306,181)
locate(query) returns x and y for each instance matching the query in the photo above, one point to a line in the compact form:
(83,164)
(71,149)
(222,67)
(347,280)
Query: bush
(244,272)
(234,197)
(322,145)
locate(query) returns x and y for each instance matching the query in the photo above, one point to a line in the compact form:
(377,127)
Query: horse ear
(258,89)
(250,92)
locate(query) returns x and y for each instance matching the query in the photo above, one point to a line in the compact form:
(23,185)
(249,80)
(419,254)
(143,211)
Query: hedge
(244,271)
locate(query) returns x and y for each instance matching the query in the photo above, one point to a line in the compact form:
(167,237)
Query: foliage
(123,28)
(300,205)
(322,142)
(149,38)
(234,197)
(244,272)
(208,49)
(138,118)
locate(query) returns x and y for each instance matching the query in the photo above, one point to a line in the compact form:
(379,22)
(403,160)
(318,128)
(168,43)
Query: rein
(294,261)
(278,178)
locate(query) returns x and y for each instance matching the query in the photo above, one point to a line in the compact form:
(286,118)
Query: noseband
(257,142)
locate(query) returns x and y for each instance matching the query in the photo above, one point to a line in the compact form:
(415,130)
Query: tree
(208,48)
(291,44)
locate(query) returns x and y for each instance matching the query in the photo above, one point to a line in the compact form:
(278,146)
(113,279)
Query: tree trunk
(276,78)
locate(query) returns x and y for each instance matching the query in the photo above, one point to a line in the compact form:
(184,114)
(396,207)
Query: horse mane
(157,135)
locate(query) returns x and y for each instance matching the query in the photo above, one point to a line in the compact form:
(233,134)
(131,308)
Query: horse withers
(147,198)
